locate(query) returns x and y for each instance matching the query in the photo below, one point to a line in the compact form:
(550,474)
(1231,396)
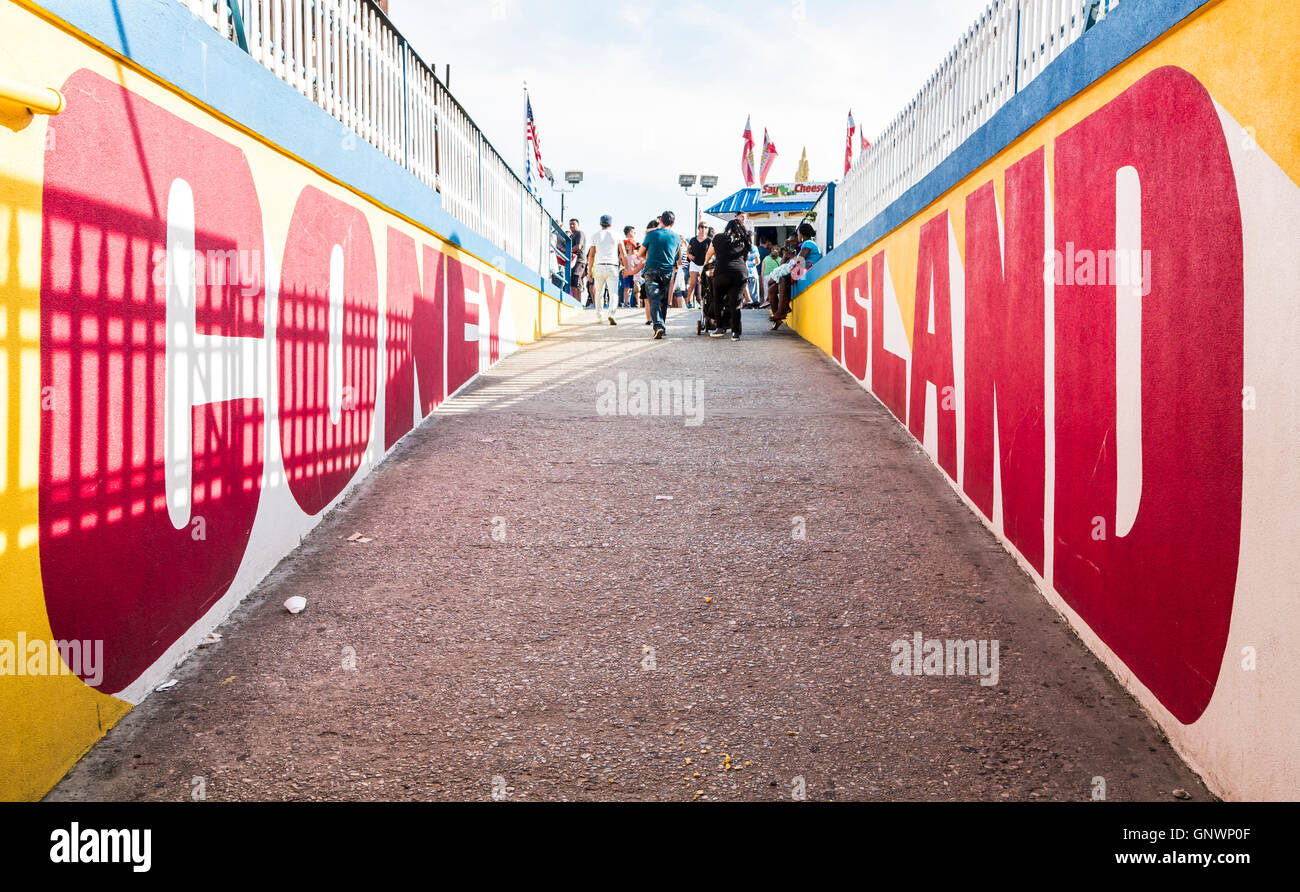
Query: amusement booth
(774,210)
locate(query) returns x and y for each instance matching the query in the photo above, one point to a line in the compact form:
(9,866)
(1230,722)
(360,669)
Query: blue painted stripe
(163,37)
(1125,31)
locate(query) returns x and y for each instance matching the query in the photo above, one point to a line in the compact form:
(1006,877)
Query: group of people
(785,265)
(723,271)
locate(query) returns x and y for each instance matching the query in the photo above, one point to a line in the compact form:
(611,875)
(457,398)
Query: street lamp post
(687,180)
(707,182)
(573,178)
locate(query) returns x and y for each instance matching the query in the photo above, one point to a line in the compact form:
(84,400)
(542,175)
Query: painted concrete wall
(1089,320)
(207,336)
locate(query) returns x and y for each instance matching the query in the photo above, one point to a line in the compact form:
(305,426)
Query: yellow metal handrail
(39,100)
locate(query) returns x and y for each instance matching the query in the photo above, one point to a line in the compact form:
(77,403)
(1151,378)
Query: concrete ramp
(559,602)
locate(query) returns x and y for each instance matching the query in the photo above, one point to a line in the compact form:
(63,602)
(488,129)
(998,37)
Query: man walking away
(662,252)
(577,263)
(603,256)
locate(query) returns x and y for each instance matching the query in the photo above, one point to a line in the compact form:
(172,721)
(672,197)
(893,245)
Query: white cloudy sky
(633,94)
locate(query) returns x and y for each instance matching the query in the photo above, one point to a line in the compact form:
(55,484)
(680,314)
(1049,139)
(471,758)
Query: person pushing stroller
(729,251)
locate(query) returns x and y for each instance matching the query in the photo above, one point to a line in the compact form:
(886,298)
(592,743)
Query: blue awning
(748,200)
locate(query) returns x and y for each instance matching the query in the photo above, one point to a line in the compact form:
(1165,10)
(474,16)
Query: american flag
(532,148)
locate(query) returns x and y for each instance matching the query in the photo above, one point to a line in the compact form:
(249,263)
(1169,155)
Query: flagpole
(530,183)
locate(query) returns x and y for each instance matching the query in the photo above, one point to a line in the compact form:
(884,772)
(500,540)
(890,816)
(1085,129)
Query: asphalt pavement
(568,598)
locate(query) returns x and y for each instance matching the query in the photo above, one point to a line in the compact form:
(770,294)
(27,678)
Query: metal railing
(1009,45)
(345,56)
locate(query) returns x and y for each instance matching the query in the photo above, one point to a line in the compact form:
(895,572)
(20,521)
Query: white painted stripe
(1128,348)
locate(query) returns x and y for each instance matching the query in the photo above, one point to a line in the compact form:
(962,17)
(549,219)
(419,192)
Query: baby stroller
(710,311)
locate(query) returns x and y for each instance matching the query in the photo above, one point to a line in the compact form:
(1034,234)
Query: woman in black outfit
(729,249)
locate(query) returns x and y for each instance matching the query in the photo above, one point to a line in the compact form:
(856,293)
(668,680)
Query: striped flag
(766,159)
(848,143)
(747,155)
(532,148)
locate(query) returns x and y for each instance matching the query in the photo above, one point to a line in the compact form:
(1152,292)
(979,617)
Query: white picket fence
(999,55)
(345,56)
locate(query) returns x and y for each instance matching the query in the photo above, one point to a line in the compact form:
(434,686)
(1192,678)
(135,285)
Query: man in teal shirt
(661,251)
